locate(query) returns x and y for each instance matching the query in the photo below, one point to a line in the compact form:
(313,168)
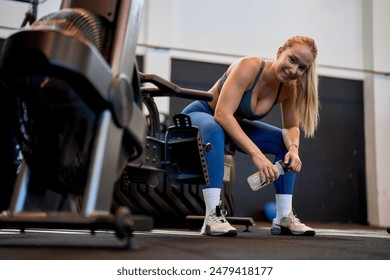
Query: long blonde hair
(307,101)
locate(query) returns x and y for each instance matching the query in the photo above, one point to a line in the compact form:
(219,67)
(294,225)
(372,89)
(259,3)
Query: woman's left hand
(293,158)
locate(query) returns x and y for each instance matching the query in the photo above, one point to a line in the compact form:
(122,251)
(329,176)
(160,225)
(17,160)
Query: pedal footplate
(182,120)
(185,153)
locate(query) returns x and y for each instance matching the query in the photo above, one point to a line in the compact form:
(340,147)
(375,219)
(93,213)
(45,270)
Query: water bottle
(256,182)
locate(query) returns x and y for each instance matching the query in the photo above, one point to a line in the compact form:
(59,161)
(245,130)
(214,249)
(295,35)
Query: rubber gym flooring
(331,242)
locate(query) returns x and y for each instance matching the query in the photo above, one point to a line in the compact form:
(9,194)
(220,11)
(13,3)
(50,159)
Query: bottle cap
(283,165)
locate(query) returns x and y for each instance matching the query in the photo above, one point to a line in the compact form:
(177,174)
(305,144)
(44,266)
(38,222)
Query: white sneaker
(216,224)
(291,225)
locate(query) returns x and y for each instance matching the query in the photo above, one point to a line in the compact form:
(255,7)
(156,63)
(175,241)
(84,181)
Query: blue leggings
(267,137)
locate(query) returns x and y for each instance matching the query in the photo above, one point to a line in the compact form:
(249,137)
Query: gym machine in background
(72,91)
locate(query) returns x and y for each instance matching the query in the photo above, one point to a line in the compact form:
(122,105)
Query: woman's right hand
(265,167)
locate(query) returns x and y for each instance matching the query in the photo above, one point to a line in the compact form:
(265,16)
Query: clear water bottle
(256,182)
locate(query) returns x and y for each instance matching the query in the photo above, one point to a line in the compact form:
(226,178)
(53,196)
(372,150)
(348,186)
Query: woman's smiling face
(293,62)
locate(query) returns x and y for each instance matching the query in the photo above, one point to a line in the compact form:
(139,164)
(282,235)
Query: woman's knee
(208,127)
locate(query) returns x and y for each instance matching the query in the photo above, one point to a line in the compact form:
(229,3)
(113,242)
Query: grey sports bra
(244,109)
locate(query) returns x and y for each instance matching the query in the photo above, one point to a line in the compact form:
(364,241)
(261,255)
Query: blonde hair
(307,101)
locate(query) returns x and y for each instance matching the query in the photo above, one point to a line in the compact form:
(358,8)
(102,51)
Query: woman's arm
(291,132)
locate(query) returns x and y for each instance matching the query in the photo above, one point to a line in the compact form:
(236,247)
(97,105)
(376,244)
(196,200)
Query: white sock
(283,206)
(212,197)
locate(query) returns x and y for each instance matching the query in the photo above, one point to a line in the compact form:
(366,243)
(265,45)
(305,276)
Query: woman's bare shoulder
(247,64)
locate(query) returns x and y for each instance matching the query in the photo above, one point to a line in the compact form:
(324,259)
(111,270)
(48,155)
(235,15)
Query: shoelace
(294,217)
(296,220)
(220,214)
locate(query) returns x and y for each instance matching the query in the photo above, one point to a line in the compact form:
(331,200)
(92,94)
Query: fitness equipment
(31,14)
(78,120)
(174,159)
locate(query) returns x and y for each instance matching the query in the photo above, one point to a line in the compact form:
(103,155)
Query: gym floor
(331,242)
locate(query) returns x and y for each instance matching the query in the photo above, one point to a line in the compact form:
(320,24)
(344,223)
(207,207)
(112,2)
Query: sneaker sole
(286,231)
(230,233)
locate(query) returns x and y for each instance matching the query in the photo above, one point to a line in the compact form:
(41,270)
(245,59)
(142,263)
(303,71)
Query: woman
(247,91)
